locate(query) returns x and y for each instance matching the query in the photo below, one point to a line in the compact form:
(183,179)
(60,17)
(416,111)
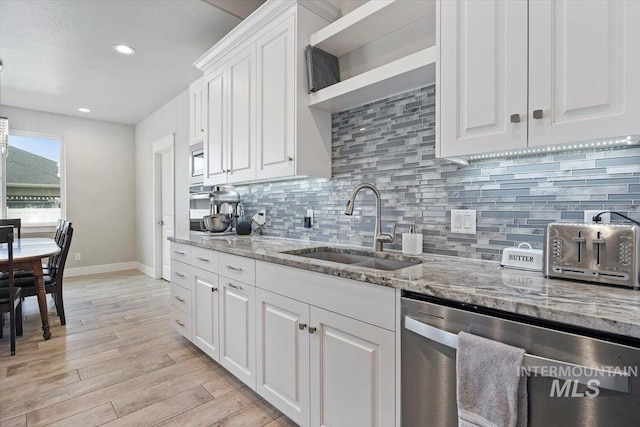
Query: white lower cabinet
(282,345)
(352,372)
(318,367)
(237,329)
(205,313)
(320,348)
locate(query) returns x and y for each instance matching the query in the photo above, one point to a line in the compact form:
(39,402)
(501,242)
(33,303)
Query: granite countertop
(483,283)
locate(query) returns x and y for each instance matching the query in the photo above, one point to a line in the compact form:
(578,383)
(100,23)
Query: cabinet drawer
(181,298)
(238,268)
(181,274)
(180,252)
(181,322)
(205,259)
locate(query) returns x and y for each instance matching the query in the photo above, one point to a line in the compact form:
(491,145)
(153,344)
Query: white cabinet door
(216,136)
(205,316)
(241,142)
(196,112)
(282,344)
(237,333)
(482,76)
(584,61)
(352,372)
(276,101)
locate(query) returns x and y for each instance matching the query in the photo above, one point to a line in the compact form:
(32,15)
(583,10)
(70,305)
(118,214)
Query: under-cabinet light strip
(554,149)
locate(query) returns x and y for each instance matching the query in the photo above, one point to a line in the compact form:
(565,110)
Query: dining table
(27,255)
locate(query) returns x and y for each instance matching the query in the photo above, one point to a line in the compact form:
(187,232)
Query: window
(34,178)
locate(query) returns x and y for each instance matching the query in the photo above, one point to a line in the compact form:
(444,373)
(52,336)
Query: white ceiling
(58,54)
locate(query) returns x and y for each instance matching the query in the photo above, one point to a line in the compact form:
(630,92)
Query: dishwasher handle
(608,379)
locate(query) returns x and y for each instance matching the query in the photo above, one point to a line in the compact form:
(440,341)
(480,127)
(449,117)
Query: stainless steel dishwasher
(560,361)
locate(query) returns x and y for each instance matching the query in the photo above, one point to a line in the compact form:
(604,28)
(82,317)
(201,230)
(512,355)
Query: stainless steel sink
(382,261)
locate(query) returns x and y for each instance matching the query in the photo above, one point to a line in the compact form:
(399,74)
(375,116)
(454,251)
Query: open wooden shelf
(411,72)
(369,22)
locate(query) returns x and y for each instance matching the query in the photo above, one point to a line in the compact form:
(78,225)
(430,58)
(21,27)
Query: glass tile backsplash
(391,144)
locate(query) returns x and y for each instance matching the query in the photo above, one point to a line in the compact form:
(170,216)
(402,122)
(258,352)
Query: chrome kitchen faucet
(379,238)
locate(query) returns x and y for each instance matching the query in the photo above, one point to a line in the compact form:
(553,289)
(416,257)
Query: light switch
(463,221)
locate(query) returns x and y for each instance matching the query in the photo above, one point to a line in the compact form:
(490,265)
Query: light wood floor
(117,362)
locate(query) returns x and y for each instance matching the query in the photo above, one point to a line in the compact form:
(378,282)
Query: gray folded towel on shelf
(490,391)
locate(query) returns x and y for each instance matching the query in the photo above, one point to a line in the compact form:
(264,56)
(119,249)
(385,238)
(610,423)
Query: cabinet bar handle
(301,326)
(182,276)
(312,329)
(231,285)
(203,259)
(179,252)
(231,267)
(515,118)
(179,299)
(180,323)
(538,114)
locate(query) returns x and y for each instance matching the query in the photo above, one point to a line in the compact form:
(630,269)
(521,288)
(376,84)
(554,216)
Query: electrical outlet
(463,221)
(78,256)
(588,217)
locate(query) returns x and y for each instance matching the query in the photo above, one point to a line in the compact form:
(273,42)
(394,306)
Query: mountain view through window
(33,179)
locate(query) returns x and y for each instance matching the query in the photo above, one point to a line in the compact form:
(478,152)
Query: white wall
(173,117)
(100,196)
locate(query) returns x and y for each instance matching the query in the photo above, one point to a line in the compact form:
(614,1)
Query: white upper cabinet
(483,76)
(241,142)
(583,73)
(276,101)
(197,110)
(215,150)
(515,74)
(261,126)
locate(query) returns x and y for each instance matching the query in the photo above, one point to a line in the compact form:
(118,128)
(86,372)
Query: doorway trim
(158,147)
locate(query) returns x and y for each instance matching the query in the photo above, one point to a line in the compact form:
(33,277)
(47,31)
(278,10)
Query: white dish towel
(490,390)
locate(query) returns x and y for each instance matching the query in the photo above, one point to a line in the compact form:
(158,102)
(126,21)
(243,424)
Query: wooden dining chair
(16,223)
(10,296)
(53,277)
(61,231)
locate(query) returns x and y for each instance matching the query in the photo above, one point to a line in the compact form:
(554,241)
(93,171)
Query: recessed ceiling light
(124,49)
(84,110)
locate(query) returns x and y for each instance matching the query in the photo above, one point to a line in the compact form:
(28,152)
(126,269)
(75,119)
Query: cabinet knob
(290,159)
(538,114)
(312,329)
(214,289)
(301,326)
(515,118)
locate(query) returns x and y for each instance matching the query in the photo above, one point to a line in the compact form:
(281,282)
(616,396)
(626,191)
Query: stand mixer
(225,208)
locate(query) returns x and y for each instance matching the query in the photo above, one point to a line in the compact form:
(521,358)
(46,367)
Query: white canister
(528,259)
(412,242)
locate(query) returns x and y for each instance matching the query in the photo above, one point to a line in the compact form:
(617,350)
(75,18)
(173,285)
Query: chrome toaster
(600,253)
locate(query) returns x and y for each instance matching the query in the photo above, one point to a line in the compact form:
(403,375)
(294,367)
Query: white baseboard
(98,269)
(149,271)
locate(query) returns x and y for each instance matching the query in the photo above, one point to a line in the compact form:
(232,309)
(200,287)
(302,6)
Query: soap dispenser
(412,242)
